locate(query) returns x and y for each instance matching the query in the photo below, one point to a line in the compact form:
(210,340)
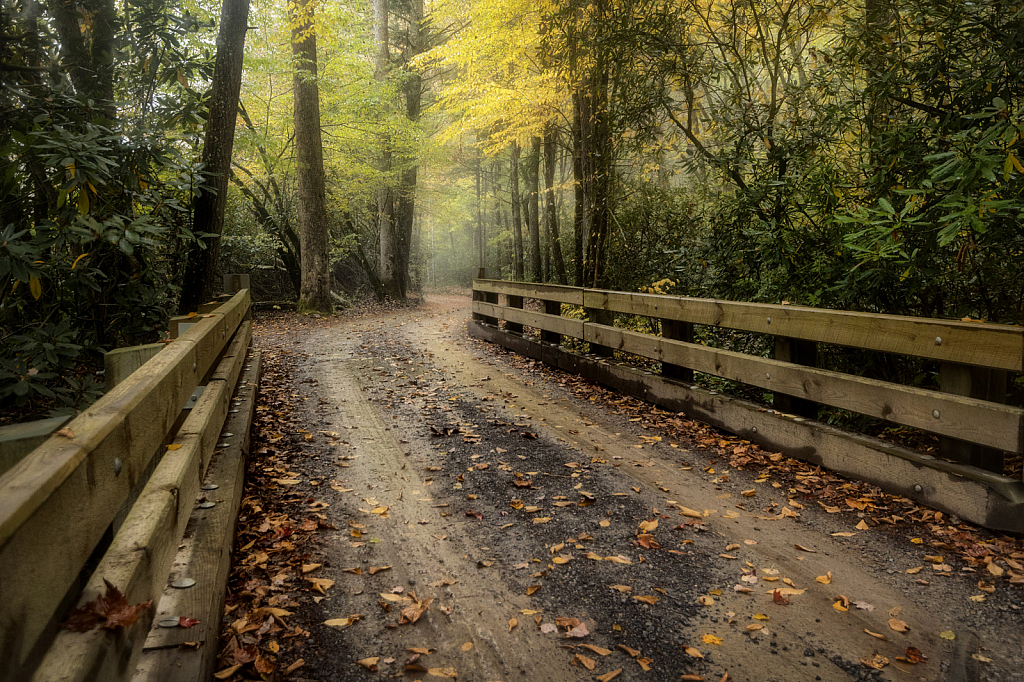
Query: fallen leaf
(977,598)
(914,655)
(607,677)
(512,622)
(587,663)
(779,599)
(604,523)
(560,560)
(443,672)
(862,526)
(632,653)
(548,628)
(877,635)
(761,616)
(377,569)
(898,625)
(994,569)
(877,661)
(711,639)
(369,663)
(621,588)
(532,589)
(600,651)
(706,600)
(579,631)
(915,570)
(806,549)
(695,653)
(844,534)
(841,603)
(108,612)
(618,559)
(690,677)
(542,519)
(948,634)
(983,659)
(68,433)
(647,599)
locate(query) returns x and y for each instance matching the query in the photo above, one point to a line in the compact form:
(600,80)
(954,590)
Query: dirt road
(482,517)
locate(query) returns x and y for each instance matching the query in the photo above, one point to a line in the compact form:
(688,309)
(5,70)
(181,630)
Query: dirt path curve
(491,490)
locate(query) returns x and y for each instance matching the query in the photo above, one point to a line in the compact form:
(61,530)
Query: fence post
(678,331)
(551,308)
(799,353)
(481,273)
(974,382)
(513,302)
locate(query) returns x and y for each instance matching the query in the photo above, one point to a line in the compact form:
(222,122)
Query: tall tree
(198,284)
(390,243)
(517,222)
(315,291)
(551,207)
(533,218)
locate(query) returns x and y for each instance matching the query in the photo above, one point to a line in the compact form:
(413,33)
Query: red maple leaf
(109,611)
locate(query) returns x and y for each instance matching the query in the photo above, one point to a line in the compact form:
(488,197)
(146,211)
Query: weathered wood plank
(544,292)
(204,555)
(154,524)
(552,323)
(120,362)
(972,343)
(69,489)
(975,495)
(966,418)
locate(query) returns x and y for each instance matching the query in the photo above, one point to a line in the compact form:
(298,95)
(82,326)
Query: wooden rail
(968,412)
(57,504)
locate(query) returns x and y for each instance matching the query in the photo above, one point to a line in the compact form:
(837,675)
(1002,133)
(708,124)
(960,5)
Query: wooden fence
(968,412)
(108,497)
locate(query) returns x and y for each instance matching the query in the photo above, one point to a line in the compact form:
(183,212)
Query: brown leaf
(109,612)
(369,663)
(532,589)
(621,588)
(914,655)
(806,549)
(779,599)
(67,433)
(898,625)
(587,663)
(695,653)
(691,677)
(877,635)
(877,661)
(377,569)
(633,653)
(443,672)
(647,599)
(512,622)
(607,677)
(600,651)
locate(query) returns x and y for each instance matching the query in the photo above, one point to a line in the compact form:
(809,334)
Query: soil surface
(484,517)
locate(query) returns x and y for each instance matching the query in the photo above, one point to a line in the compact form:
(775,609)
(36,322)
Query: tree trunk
(390,241)
(198,284)
(550,208)
(479,219)
(517,222)
(315,291)
(580,219)
(405,210)
(533,178)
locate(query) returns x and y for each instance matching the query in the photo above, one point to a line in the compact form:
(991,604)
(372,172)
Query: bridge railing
(133,461)
(968,412)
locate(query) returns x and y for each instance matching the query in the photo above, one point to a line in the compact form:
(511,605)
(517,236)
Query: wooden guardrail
(968,412)
(58,503)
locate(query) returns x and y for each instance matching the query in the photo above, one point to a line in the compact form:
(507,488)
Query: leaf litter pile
(613,573)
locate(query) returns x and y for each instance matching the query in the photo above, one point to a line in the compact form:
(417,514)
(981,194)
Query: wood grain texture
(70,489)
(553,323)
(544,292)
(139,559)
(204,555)
(972,343)
(966,418)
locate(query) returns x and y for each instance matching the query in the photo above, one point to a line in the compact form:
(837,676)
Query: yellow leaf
(711,639)
(560,560)
(825,579)
(760,616)
(83,201)
(648,599)
(862,526)
(174,446)
(948,634)
(917,541)
(78,259)
(607,677)
(694,652)
(467,646)
(978,598)
(35,287)
(605,523)
(512,622)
